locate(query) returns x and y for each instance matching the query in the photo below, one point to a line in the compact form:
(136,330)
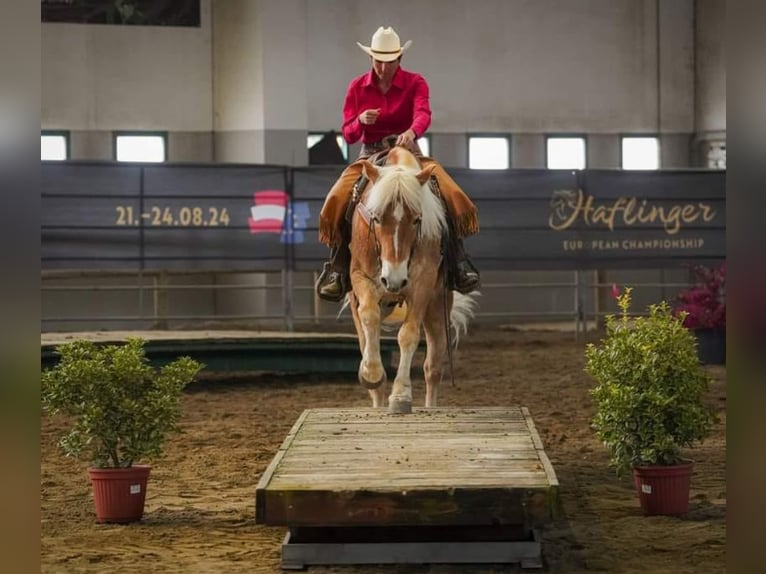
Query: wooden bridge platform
(440,485)
(274,351)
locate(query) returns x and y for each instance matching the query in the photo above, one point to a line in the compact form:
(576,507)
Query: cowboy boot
(462,276)
(465,275)
(333,283)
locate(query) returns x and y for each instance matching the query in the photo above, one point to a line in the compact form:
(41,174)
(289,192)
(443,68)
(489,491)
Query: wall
(710,85)
(257,74)
(710,89)
(100,78)
(260,60)
(518,66)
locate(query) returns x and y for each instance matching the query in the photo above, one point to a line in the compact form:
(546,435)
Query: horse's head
(402,212)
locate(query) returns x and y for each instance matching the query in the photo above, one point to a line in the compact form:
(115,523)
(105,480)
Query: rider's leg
(463,219)
(335,231)
(334,282)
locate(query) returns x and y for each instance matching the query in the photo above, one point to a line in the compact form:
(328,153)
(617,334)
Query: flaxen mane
(398,184)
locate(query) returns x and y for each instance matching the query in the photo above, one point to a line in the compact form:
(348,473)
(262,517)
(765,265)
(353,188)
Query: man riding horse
(390,100)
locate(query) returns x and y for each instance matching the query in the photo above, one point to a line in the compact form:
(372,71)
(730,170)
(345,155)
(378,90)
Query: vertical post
(287,294)
(287,268)
(159,282)
(316,302)
(141,247)
(577,304)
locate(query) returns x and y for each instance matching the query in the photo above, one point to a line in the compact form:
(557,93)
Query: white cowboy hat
(385,46)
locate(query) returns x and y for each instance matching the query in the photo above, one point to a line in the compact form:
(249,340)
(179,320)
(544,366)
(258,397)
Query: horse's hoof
(399,407)
(371,385)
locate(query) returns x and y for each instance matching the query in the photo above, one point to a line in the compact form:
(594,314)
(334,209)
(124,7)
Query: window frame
(503,135)
(66,134)
(554,135)
(119,133)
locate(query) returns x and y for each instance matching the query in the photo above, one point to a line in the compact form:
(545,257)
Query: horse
(396,260)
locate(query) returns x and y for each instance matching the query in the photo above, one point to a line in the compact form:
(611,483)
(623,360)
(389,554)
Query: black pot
(711,346)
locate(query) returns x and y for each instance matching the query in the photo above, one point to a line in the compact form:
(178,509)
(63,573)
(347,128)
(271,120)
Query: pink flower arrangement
(705,302)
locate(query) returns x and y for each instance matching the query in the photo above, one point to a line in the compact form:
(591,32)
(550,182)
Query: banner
(122,12)
(243,217)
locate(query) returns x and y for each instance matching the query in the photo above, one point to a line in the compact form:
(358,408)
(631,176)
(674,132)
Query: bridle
(371,219)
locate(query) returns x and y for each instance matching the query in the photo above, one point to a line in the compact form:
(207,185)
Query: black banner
(122,12)
(106,216)
(261,218)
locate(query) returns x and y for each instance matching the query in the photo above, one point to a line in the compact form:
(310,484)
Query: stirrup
(326,280)
(470,285)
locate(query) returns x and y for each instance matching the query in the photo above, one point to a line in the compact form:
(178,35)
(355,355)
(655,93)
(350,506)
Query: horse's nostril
(404,283)
(384,281)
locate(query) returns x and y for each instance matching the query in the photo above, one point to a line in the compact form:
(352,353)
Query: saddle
(379,159)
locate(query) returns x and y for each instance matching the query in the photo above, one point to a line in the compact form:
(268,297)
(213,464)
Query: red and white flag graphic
(268,213)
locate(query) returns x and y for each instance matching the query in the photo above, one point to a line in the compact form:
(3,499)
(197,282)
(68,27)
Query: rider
(389,100)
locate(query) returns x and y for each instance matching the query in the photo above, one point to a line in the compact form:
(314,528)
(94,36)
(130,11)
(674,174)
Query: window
(314,138)
(424,143)
(140,147)
(565,153)
(488,152)
(54,146)
(640,153)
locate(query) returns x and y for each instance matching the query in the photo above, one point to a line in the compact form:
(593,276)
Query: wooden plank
(297,554)
(260,499)
(381,415)
(358,507)
(532,430)
(353,465)
(299,451)
(260,489)
(553,501)
(291,434)
(413,439)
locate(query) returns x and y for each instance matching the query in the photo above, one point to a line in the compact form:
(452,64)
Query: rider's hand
(369,117)
(406,139)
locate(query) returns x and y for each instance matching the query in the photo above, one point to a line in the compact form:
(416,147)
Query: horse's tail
(463,310)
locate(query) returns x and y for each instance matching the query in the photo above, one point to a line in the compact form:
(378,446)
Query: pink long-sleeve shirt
(404,106)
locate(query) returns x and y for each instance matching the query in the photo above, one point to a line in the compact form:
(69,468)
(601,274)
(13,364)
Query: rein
(447,332)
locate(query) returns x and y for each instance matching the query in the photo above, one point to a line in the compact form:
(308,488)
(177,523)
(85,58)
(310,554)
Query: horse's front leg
(378,395)
(400,400)
(371,372)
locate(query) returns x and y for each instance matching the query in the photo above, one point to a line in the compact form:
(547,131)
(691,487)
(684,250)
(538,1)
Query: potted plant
(649,398)
(704,306)
(121,409)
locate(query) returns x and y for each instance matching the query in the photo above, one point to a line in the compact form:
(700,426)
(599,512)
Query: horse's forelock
(396,184)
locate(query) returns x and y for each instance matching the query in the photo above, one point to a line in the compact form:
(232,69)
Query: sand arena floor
(200,501)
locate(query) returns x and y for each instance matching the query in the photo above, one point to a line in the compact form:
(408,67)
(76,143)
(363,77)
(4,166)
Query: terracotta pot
(119,493)
(663,489)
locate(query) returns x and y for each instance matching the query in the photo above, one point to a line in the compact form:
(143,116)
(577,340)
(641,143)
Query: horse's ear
(425,173)
(370,171)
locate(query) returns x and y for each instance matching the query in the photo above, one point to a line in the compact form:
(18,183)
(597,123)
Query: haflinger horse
(396,259)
